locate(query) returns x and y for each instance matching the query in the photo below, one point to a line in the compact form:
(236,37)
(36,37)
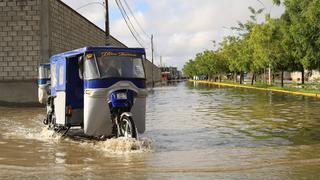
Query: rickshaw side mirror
(80,62)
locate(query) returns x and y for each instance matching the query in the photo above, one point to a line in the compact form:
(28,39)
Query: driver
(110,68)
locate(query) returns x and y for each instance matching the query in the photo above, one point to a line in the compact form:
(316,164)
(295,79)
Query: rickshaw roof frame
(61,60)
(83,50)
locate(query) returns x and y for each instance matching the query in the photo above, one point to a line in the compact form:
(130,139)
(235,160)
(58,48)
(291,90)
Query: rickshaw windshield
(115,66)
(122,67)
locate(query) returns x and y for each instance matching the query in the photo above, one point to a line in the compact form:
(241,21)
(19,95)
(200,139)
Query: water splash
(125,145)
(110,146)
(32,129)
(35,130)
(49,134)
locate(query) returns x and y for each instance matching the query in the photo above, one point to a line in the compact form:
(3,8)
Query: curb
(257,88)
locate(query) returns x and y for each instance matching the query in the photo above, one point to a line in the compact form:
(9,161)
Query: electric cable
(132,28)
(90,4)
(137,22)
(123,13)
(132,25)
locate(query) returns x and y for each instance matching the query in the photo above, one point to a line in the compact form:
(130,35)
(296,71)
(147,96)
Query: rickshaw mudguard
(97,117)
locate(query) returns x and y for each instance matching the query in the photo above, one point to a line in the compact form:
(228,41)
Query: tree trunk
(241,79)
(282,74)
(220,79)
(236,77)
(252,79)
(273,77)
(302,76)
(264,75)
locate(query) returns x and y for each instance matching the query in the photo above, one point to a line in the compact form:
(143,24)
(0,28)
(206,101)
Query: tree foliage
(288,43)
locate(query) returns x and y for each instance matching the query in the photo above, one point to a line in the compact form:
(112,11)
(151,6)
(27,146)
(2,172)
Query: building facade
(311,76)
(33,30)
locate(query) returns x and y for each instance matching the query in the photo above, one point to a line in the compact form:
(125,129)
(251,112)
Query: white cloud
(181,28)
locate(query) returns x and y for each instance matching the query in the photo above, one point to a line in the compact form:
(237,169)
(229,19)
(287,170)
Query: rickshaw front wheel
(127,127)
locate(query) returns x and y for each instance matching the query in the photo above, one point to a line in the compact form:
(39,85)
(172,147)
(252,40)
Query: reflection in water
(264,116)
(194,131)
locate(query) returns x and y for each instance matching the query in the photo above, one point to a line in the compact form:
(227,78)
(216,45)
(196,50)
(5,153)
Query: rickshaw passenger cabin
(88,84)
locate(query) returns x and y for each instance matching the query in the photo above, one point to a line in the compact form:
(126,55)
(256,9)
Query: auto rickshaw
(99,89)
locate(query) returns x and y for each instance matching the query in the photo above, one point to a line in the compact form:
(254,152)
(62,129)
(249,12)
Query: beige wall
(156,72)
(19,39)
(312,77)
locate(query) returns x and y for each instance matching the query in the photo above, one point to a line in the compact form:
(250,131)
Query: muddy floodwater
(193,132)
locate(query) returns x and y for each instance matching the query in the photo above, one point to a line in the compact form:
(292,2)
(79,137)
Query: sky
(181,28)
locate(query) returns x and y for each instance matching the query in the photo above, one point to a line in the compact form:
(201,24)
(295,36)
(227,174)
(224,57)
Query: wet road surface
(193,132)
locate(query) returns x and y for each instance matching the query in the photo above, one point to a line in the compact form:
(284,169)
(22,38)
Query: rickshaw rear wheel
(127,127)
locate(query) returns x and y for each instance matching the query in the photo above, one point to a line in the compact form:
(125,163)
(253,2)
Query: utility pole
(160,61)
(107,25)
(270,82)
(269,69)
(152,56)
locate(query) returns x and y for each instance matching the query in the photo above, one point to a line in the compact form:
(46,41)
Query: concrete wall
(33,30)
(156,72)
(69,30)
(18,92)
(19,39)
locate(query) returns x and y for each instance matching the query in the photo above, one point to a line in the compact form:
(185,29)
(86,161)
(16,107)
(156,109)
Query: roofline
(118,41)
(65,5)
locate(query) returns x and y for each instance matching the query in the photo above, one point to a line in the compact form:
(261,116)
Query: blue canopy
(60,62)
(98,48)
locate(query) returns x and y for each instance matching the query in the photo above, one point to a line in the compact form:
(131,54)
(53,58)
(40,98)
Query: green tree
(269,47)
(235,51)
(289,43)
(189,69)
(201,65)
(304,28)
(221,64)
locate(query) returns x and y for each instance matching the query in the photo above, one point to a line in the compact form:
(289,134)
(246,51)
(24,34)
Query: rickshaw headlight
(89,92)
(89,56)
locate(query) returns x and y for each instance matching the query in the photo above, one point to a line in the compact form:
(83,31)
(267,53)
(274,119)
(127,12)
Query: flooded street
(193,132)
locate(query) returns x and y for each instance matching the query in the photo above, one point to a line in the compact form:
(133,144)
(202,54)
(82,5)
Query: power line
(90,4)
(132,28)
(128,22)
(137,22)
